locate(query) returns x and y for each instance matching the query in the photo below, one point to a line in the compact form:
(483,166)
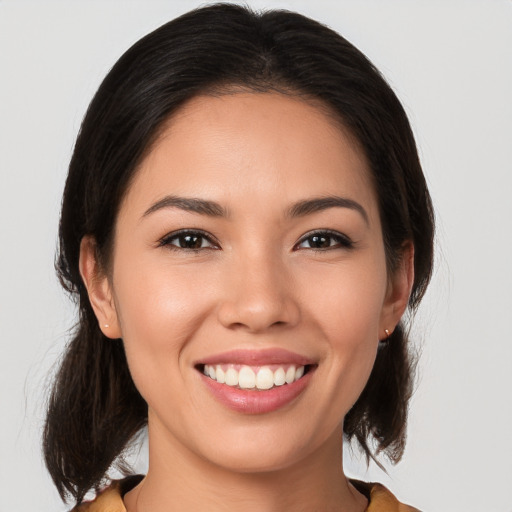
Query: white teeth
(290,375)
(232,377)
(279,377)
(220,376)
(247,378)
(265,378)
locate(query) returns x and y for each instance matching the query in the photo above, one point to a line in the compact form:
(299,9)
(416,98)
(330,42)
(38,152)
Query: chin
(259,450)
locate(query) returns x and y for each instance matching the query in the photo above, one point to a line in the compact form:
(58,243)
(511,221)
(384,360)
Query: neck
(184,481)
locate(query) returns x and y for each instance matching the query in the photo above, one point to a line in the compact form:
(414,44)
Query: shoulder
(110,499)
(380,499)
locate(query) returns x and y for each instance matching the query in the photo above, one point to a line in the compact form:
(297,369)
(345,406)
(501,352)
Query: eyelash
(166,241)
(342,241)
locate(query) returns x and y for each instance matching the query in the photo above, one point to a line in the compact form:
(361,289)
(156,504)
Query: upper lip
(257,357)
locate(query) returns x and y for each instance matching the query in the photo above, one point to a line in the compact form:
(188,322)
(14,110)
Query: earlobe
(98,289)
(399,291)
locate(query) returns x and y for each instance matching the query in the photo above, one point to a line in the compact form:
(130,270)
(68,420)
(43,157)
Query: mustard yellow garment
(111,499)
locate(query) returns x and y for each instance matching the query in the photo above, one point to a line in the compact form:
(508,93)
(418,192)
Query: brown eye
(319,241)
(188,240)
(324,240)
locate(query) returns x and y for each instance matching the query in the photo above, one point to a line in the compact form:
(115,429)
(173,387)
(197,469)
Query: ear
(398,292)
(98,288)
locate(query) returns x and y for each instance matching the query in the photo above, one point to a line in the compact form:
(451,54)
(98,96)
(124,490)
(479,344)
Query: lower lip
(253,401)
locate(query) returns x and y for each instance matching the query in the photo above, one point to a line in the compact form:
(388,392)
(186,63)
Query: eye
(188,240)
(324,240)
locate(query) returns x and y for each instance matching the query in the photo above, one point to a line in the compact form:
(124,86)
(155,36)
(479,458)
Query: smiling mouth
(257,378)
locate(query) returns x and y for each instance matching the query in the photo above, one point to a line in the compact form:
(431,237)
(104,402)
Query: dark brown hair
(94,410)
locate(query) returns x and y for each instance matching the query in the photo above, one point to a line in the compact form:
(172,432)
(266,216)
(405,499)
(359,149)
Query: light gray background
(450,63)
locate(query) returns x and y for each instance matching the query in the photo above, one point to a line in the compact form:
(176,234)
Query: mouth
(257,378)
(256,382)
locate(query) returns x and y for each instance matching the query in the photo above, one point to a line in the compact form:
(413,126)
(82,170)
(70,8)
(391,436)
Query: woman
(244,223)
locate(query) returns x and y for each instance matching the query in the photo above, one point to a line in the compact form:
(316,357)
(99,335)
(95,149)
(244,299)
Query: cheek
(159,308)
(348,298)
(348,315)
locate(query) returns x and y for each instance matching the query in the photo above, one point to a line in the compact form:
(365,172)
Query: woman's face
(249,247)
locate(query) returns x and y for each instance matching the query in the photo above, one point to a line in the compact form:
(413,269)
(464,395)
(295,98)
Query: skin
(257,284)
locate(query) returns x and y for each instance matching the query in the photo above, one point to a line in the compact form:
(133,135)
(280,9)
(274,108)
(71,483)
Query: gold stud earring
(384,341)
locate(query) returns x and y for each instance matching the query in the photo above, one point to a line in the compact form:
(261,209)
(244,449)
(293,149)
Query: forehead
(254,146)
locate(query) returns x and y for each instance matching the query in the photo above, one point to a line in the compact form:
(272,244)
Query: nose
(260,294)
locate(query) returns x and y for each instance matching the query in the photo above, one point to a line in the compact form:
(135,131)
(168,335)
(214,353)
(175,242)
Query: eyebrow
(190,204)
(214,209)
(319,204)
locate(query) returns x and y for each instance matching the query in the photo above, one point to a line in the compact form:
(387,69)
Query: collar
(110,499)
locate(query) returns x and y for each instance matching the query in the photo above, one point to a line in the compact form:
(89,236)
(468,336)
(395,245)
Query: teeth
(290,375)
(220,376)
(279,377)
(247,378)
(265,378)
(231,377)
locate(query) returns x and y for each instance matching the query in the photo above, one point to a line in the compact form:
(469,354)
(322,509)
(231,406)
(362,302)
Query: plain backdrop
(450,63)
